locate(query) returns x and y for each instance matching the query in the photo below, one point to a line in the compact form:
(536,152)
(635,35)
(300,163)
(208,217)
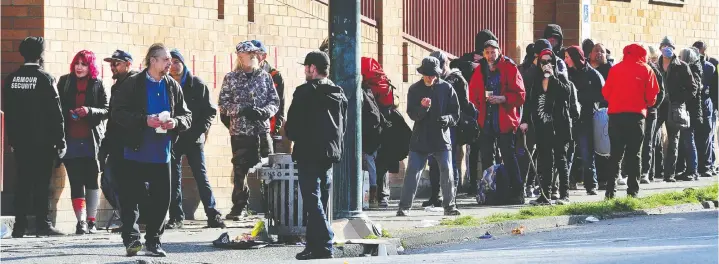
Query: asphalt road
(671,238)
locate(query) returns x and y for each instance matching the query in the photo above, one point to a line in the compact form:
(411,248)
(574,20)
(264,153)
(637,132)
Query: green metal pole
(344,32)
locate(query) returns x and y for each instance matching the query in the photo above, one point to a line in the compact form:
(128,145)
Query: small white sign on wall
(586,17)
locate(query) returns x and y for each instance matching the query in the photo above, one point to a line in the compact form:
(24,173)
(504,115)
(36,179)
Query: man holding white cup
(497,91)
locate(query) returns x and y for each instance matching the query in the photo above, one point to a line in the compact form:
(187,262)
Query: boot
(373,197)
(18,230)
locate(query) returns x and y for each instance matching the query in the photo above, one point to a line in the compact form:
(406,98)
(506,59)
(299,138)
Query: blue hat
(246,46)
(175,53)
(119,55)
(259,45)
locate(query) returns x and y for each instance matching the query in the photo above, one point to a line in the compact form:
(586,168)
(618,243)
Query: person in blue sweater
(138,108)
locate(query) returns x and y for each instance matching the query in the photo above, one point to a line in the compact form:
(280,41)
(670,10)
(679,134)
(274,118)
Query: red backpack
(374,77)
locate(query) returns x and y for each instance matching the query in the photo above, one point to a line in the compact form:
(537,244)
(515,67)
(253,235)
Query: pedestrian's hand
(82,111)
(524,127)
(170,124)
(153,122)
(426,102)
(497,99)
(253,114)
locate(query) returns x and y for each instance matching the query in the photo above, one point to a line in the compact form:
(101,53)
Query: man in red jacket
(630,89)
(499,112)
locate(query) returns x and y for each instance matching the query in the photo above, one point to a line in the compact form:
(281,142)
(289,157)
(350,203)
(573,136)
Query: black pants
(474,156)
(657,171)
(315,181)
(34,170)
(382,180)
(626,134)
(506,145)
(649,143)
(82,173)
(196,158)
(132,181)
(552,154)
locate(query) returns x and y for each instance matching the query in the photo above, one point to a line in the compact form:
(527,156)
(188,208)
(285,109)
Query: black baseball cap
(317,57)
(119,55)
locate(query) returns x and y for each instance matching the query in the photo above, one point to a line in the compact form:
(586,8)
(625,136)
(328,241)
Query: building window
(669,2)
(220,9)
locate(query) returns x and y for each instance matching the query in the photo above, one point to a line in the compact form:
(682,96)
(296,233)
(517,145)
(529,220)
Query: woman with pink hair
(85,108)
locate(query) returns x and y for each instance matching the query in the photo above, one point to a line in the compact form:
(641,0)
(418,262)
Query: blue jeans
(705,138)
(371,167)
(315,181)
(417,162)
(585,143)
(196,158)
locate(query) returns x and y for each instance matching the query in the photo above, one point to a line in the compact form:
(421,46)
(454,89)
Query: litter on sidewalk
(427,223)
(434,209)
(518,231)
(256,239)
(591,219)
(485,236)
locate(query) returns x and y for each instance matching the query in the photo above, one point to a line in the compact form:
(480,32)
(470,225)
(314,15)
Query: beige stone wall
(290,29)
(619,23)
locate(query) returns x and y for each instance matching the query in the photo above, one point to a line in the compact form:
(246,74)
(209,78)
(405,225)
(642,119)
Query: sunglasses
(544,62)
(115,63)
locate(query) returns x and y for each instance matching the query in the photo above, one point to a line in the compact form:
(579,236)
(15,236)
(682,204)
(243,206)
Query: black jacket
(589,85)
(112,134)
(33,116)
(678,81)
(129,108)
(317,121)
(660,96)
(279,86)
(394,146)
(694,104)
(431,125)
(373,123)
(197,97)
(549,111)
(96,100)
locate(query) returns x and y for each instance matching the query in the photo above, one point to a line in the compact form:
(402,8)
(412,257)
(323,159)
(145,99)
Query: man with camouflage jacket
(249,99)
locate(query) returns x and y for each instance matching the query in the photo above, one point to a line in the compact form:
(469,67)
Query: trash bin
(284,214)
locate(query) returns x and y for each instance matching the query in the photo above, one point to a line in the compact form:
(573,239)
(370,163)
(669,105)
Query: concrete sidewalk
(387,219)
(193,244)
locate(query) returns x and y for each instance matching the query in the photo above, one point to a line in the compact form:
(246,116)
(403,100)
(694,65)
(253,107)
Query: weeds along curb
(424,237)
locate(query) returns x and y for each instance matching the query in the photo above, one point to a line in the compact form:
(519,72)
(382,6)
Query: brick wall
(648,23)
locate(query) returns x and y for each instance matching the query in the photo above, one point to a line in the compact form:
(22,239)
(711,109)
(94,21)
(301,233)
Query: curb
(424,237)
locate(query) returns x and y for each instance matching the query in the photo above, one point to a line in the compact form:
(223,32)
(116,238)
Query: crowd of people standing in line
(485,100)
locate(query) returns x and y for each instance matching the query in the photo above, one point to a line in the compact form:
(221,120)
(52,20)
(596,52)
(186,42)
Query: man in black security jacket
(191,143)
(36,133)
(139,107)
(316,122)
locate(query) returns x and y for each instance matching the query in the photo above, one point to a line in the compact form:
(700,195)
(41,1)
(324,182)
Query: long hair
(88,58)
(239,65)
(152,51)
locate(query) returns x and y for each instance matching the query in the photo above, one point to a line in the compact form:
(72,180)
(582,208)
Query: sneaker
(644,180)
(81,228)
(686,177)
(174,224)
(622,181)
(307,255)
(529,192)
(609,195)
(155,249)
(451,211)
(236,216)
(49,231)
(216,222)
(706,174)
(554,196)
(540,201)
(592,192)
(433,202)
(91,227)
(133,248)
(403,212)
(18,230)
(573,186)
(384,203)
(564,201)
(670,179)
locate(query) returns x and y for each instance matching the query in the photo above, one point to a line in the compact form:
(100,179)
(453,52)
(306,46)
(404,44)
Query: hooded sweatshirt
(588,82)
(555,30)
(632,86)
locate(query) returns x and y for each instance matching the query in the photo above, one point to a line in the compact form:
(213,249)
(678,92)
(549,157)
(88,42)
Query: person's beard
(253,65)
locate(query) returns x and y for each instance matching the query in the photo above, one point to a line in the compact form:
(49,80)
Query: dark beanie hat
(699,44)
(175,53)
(587,47)
(31,48)
(541,44)
(481,38)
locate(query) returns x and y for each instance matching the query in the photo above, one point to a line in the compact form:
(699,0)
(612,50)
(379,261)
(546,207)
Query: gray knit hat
(441,57)
(666,41)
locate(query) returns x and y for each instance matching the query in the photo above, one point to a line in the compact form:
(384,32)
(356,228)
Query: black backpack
(373,123)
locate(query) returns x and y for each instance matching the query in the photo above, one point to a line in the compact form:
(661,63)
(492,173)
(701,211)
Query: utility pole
(344,35)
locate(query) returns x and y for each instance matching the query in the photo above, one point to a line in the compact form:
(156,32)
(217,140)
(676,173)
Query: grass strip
(602,208)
